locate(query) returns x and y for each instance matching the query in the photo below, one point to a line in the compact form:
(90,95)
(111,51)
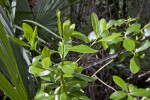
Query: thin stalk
(61,81)
(102,67)
(105,83)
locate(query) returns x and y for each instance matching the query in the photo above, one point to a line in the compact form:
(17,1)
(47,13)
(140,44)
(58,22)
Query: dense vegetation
(103,55)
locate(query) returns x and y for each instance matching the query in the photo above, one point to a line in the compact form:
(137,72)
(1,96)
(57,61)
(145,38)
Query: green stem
(63,46)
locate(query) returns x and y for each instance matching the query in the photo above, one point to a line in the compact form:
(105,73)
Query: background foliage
(42,13)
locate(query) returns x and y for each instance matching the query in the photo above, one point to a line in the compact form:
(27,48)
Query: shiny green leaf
(58,13)
(141,92)
(28,32)
(17,41)
(67,29)
(34,35)
(110,23)
(147,30)
(92,36)
(45,52)
(38,71)
(111,37)
(80,36)
(95,24)
(118,95)
(145,45)
(134,64)
(133,28)
(68,68)
(34,46)
(46,62)
(102,26)
(120,82)
(82,49)
(128,44)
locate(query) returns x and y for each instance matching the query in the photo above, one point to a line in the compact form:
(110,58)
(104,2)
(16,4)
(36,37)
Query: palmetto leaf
(8,59)
(17,54)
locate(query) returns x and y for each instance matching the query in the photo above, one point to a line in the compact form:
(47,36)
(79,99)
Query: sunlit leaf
(133,28)
(128,44)
(80,36)
(45,52)
(147,30)
(134,64)
(83,49)
(46,62)
(58,13)
(17,41)
(111,37)
(141,92)
(120,82)
(95,24)
(144,46)
(102,26)
(117,95)
(38,71)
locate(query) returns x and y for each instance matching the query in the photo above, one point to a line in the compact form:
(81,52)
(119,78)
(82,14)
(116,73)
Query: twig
(141,75)
(105,59)
(102,67)
(105,83)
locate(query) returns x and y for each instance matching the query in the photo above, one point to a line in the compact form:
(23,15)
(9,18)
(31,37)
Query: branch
(105,59)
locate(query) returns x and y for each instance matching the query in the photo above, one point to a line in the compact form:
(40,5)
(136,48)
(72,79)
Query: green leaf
(58,13)
(34,46)
(28,31)
(134,64)
(118,95)
(120,82)
(120,22)
(67,29)
(105,33)
(34,35)
(92,36)
(82,49)
(46,62)
(105,45)
(68,68)
(95,24)
(147,30)
(17,41)
(141,92)
(110,23)
(80,36)
(116,40)
(133,28)
(111,37)
(8,89)
(128,44)
(102,26)
(68,44)
(45,52)
(130,97)
(131,87)
(144,46)
(35,60)
(84,77)
(38,71)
